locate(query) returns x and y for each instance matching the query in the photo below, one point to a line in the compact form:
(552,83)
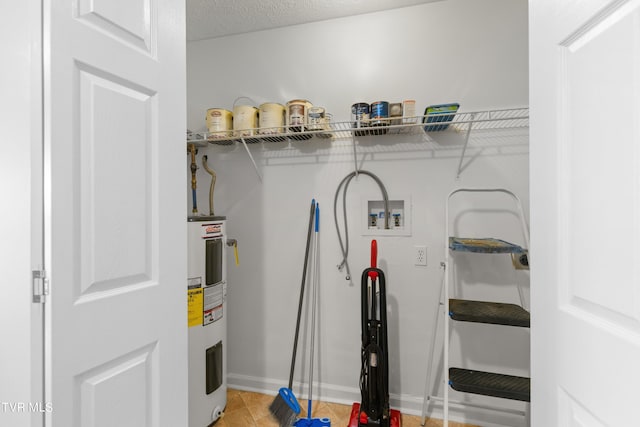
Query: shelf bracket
(466,142)
(251,157)
(355,156)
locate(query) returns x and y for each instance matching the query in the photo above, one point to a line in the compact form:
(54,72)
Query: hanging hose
(344,247)
(194,169)
(213,182)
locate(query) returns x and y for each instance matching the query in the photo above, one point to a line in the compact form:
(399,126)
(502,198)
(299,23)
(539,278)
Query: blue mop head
(313,422)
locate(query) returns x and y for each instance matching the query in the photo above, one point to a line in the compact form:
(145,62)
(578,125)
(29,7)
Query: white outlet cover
(420,255)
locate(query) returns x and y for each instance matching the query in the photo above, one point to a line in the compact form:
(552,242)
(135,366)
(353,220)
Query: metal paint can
(297,113)
(219,123)
(326,126)
(315,118)
(395,110)
(379,112)
(271,118)
(360,113)
(245,120)
(379,116)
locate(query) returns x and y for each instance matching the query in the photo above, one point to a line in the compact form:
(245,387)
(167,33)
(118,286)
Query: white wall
(466,51)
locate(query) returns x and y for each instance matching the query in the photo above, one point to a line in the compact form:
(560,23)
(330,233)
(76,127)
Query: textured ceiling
(216,18)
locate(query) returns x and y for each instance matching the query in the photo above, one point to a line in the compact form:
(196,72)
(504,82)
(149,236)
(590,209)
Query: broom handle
(314,290)
(304,276)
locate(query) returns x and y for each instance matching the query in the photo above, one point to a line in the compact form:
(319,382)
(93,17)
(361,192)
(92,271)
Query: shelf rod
(251,157)
(464,149)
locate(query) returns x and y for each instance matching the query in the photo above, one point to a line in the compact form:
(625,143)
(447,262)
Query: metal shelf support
(464,149)
(252,160)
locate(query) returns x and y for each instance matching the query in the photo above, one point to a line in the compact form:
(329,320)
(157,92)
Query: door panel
(115,220)
(585,198)
(101,390)
(600,156)
(576,415)
(129,21)
(116,202)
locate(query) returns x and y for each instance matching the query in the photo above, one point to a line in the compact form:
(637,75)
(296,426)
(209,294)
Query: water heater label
(195,302)
(211,230)
(213,299)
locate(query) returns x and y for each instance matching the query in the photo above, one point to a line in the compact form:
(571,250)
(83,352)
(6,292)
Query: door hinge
(40,286)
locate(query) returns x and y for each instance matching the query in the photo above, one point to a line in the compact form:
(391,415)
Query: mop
(313,422)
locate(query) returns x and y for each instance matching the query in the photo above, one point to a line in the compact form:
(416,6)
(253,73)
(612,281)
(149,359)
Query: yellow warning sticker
(194,307)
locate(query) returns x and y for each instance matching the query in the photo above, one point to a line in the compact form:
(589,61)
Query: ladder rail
(436,317)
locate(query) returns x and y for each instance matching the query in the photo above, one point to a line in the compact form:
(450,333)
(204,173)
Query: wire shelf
(416,125)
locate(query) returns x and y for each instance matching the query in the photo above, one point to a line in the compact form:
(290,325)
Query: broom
(285,407)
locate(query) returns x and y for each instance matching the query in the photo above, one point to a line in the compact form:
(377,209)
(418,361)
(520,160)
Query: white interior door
(585,219)
(21,251)
(115,226)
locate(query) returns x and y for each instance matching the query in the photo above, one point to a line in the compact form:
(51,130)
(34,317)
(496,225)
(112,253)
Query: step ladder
(485,312)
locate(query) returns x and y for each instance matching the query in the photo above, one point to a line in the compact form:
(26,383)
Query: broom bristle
(282,411)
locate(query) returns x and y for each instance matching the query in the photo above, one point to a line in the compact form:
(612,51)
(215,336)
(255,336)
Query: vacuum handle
(373,275)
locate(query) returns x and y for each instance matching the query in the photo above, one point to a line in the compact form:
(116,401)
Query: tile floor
(248,409)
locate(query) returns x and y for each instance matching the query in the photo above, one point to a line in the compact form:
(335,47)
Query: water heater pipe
(194,169)
(213,182)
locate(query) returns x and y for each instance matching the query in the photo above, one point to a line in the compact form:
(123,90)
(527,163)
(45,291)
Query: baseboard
(325,392)
(407,404)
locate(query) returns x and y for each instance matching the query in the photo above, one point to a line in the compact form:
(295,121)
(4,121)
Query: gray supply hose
(213,182)
(344,246)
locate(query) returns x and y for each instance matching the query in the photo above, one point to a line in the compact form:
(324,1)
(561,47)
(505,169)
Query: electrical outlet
(420,255)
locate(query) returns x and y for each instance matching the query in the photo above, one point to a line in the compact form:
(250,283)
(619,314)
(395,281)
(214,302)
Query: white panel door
(115,226)
(585,220)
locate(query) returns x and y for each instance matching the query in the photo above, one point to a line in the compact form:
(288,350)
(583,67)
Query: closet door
(585,219)
(21,251)
(115,228)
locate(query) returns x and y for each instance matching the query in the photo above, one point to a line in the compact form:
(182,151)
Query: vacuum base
(354,420)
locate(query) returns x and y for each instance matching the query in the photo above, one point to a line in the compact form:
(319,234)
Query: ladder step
(490,384)
(484,245)
(495,313)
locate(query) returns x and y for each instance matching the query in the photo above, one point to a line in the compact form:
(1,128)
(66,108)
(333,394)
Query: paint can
(296,114)
(271,118)
(409,111)
(379,117)
(245,120)
(315,118)
(395,113)
(219,123)
(326,126)
(360,117)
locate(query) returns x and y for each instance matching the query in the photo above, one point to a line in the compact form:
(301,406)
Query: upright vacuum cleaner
(374,375)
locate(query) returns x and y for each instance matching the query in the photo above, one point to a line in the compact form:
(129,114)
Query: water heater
(206,298)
